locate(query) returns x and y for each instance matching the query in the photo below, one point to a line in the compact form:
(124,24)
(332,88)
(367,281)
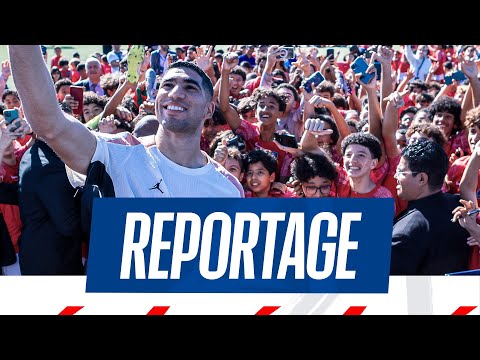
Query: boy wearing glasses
(361,153)
(316,173)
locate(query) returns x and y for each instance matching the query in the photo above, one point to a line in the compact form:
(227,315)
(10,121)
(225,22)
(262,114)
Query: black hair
(263,92)
(450,105)
(191,65)
(365,139)
(428,157)
(264,156)
(309,165)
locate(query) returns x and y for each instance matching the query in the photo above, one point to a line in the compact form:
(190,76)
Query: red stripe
(355,310)
(267,310)
(70,310)
(158,310)
(464,310)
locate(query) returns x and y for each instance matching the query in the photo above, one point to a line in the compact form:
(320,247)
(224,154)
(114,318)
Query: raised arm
(230,60)
(384,56)
(390,124)
(470,69)
(68,137)
(374,112)
(469,181)
(308,143)
(410,56)
(4,75)
(267,78)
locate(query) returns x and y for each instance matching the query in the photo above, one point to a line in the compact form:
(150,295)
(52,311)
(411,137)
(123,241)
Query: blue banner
(240,245)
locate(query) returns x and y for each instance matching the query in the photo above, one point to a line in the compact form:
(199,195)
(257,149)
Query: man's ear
(374,164)
(210,110)
(423,178)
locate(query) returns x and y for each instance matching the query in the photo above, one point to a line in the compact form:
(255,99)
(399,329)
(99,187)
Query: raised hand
(107,125)
(6,71)
(384,55)
(230,60)
(221,152)
(204,61)
(316,127)
(319,101)
(468,66)
(123,113)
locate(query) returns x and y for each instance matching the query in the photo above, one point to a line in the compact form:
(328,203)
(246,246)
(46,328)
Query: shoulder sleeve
(247,131)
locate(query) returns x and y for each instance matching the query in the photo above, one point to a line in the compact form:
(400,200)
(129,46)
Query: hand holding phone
(316,126)
(287,140)
(77,94)
(286,53)
(330,54)
(360,66)
(10,116)
(316,78)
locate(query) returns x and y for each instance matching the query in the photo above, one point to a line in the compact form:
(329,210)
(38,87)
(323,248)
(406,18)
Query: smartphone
(286,140)
(331,53)
(286,53)
(378,67)
(237,142)
(10,115)
(77,94)
(359,66)
(316,78)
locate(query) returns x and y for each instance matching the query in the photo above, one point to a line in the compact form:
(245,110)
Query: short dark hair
(292,88)
(246,64)
(264,156)
(450,105)
(409,109)
(309,165)
(62,82)
(365,139)
(238,70)
(430,131)
(191,65)
(428,157)
(7,92)
(263,92)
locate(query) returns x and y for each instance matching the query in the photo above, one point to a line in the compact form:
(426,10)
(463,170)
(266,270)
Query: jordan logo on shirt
(157,186)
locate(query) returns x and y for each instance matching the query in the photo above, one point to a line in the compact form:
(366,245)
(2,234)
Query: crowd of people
(251,121)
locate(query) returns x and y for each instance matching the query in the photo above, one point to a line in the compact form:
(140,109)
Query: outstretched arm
(69,138)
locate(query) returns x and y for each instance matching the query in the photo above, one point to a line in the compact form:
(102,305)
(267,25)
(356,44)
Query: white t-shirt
(137,171)
(112,56)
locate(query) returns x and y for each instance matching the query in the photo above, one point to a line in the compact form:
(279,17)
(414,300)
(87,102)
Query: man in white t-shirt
(114,57)
(174,167)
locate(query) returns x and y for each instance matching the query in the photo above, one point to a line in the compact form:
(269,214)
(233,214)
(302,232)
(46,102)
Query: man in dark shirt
(424,240)
(51,239)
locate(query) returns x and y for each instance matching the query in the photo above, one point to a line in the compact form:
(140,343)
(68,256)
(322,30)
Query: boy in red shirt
(260,171)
